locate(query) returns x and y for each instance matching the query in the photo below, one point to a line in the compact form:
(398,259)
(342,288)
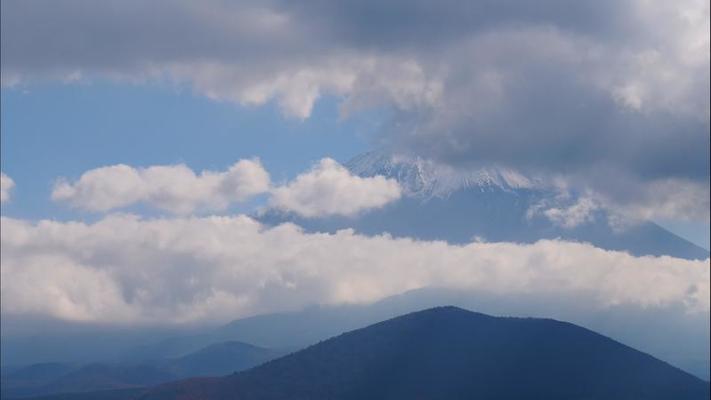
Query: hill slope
(450,353)
(667,333)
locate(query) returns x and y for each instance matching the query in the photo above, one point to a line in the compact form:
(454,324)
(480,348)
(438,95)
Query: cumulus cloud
(173,188)
(330,189)
(6,186)
(536,85)
(123,269)
(327,189)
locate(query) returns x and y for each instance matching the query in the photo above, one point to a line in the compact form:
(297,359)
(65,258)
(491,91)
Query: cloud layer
(124,270)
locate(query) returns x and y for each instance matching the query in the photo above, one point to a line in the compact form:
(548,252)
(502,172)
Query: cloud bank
(126,270)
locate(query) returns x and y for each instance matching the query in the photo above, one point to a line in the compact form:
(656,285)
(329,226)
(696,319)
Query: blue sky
(59,130)
(62,130)
(694,231)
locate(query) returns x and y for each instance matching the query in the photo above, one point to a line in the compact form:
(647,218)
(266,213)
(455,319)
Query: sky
(132,133)
(96,125)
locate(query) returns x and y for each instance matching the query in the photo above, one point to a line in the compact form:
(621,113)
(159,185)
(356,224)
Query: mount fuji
(489,204)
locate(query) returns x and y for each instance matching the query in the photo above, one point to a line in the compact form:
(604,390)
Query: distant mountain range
(449,353)
(670,334)
(214,360)
(491,204)
(440,353)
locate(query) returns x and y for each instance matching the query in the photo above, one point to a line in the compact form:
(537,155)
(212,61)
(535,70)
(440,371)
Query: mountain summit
(425,179)
(451,353)
(489,204)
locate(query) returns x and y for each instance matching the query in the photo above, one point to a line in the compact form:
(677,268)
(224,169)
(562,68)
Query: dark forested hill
(451,353)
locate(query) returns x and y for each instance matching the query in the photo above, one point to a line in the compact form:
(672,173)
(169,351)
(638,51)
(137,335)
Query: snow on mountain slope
(425,178)
(493,204)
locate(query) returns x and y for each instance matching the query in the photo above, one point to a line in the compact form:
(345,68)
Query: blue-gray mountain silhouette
(52,378)
(491,204)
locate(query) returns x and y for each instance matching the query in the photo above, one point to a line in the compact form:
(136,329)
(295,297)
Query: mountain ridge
(212,360)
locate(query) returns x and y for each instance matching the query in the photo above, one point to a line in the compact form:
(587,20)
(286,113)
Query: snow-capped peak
(426,178)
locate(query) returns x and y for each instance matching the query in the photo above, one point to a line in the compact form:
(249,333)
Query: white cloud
(327,189)
(566,215)
(174,188)
(6,186)
(667,74)
(577,214)
(330,189)
(123,269)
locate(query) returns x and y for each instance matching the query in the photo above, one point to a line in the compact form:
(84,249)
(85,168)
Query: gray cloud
(577,88)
